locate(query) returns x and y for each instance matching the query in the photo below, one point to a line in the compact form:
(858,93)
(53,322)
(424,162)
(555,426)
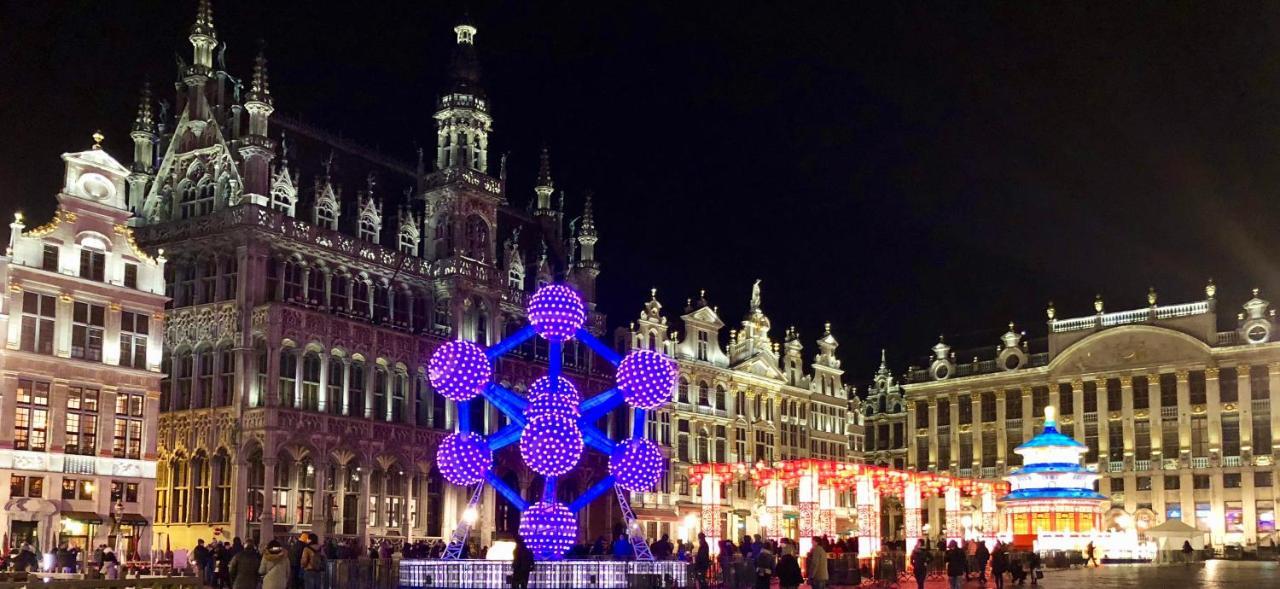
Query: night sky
(899,170)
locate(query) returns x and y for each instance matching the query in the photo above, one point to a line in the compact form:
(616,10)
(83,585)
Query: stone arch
(1119,348)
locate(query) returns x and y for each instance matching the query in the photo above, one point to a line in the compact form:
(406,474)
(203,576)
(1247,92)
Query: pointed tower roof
(204,20)
(143,122)
(587,227)
(544,168)
(464,66)
(260,86)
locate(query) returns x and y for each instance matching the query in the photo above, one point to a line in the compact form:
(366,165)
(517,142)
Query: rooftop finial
(1097,303)
(466,31)
(260,86)
(204,20)
(1210,289)
(1151,296)
(653,294)
(144,122)
(1051,312)
(587,227)
(97,139)
(544,168)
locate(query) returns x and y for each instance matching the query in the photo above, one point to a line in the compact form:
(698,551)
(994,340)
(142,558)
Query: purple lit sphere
(556,312)
(636,464)
(551,444)
(646,378)
(549,529)
(464,458)
(459,370)
(542,400)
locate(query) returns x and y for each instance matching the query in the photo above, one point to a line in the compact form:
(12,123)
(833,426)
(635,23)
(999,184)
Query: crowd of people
(974,560)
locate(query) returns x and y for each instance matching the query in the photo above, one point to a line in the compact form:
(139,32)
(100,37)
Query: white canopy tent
(1171,535)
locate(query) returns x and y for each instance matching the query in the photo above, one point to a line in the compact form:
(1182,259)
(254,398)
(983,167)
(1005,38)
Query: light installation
(553,425)
(1051,492)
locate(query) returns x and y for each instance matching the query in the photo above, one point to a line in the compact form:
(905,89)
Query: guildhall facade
(1176,414)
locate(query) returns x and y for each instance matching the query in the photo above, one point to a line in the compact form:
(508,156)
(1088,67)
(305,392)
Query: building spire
(544,168)
(587,227)
(203,37)
(143,121)
(260,86)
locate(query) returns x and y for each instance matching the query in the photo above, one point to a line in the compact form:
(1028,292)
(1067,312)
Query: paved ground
(1214,574)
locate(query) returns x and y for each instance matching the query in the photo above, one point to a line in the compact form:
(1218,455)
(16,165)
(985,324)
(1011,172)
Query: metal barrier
(567,574)
(38,582)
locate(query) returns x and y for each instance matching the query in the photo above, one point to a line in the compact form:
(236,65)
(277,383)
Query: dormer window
(93,261)
(281,201)
(703,345)
(368,230)
(326,217)
(408,244)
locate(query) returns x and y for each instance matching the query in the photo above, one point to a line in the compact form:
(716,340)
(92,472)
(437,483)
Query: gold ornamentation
(59,217)
(114,306)
(1229,407)
(1077,385)
(65,297)
(1211,372)
(1198,409)
(127,232)
(1141,413)
(1126,381)
(1183,375)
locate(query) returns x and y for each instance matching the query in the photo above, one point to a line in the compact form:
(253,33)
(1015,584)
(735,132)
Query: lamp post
(117,510)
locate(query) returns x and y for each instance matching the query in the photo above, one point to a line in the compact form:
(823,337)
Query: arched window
(399,385)
(443,237)
(326,215)
(477,238)
(306,492)
(393,498)
(288,377)
(338,298)
(368,229)
(208,281)
(720,397)
(280,493)
(333,400)
(435,504)
(184,379)
(220,475)
(684,390)
(203,392)
(653,340)
(162,491)
(226,376)
(740,403)
(178,475)
(199,488)
(704,393)
(256,501)
(380,383)
(359,296)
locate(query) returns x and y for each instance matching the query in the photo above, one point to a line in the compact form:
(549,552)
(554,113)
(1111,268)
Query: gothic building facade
(1176,414)
(81,315)
(748,400)
(310,279)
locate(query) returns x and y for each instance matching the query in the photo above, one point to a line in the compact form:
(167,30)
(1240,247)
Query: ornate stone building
(81,313)
(885,419)
(1177,415)
(303,311)
(750,400)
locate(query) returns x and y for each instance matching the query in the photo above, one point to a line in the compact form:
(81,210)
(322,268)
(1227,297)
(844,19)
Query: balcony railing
(1231,461)
(988,472)
(1199,462)
(1141,465)
(1168,412)
(1115,466)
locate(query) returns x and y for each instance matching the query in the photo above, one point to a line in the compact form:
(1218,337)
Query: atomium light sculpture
(553,425)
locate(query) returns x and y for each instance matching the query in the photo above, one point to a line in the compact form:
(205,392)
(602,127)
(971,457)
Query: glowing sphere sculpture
(464,458)
(459,370)
(543,401)
(551,444)
(636,464)
(646,378)
(556,312)
(553,425)
(549,529)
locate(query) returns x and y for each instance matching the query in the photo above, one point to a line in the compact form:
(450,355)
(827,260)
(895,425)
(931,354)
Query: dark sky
(901,170)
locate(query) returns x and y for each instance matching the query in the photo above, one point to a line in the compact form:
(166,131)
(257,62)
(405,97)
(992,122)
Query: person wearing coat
(957,564)
(521,564)
(999,564)
(817,566)
(274,568)
(244,567)
(789,576)
(765,566)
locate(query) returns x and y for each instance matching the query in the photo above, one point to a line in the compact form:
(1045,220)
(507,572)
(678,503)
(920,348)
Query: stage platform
(575,574)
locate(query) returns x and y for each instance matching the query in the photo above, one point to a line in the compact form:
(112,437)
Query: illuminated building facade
(750,400)
(82,317)
(311,278)
(1176,415)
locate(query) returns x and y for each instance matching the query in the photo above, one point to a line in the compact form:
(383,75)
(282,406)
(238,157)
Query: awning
(656,513)
(87,517)
(133,519)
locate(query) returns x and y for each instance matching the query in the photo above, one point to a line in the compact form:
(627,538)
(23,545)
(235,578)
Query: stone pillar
(933,434)
(1245,392)
(1154,399)
(1260,446)
(1077,410)
(1184,413)
(320,501)
(297,376)
(975,432)
(1213,400)
(362,510)
(345,408)
(322,395)
(1126,416)
(272,394)
(268,503)
(306,283)
(1002,435)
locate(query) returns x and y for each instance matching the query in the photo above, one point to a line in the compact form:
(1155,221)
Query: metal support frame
(639,548)
(459,537)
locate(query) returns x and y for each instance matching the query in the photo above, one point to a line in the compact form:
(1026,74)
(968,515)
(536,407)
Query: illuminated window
(127,434)
(93,264)
(38,314)
(311,381)
(82,421)
(31,423)
(49,260)
(288,376)
(134,329)
(26,486)
(1141,393)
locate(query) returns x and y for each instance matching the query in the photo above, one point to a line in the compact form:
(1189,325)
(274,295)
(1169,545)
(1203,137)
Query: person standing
(956,564)
(521,564)
(765,565)
(980,557)
(920,564)
(244,567)
(789,576)
(204,562)
(312,562)
(1089,555)
(702,562)
(274,567)
(1033,564)
(816,565)
(999,563)
(1187,550)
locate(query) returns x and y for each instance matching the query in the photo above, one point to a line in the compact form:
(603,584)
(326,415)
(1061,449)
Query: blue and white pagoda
(1051,492)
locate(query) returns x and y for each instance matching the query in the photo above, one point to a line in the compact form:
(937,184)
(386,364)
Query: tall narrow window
(199,489)
(184,380)
(208,281)
(359,297)
(1196,387)
(134,328)
(82,421)
(380,393)
(311,381)
(280,495)
(186,290)
(1228,386)
(334,400)
(288,377)
(204,388)
(230,269)
(130,275)
(86,331)
(293,281)
(31,423)
(127,442)
(1142,439)
(226,376)
(355,389)
(93,264)
(395,413)
(1141,393)
(338,292)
